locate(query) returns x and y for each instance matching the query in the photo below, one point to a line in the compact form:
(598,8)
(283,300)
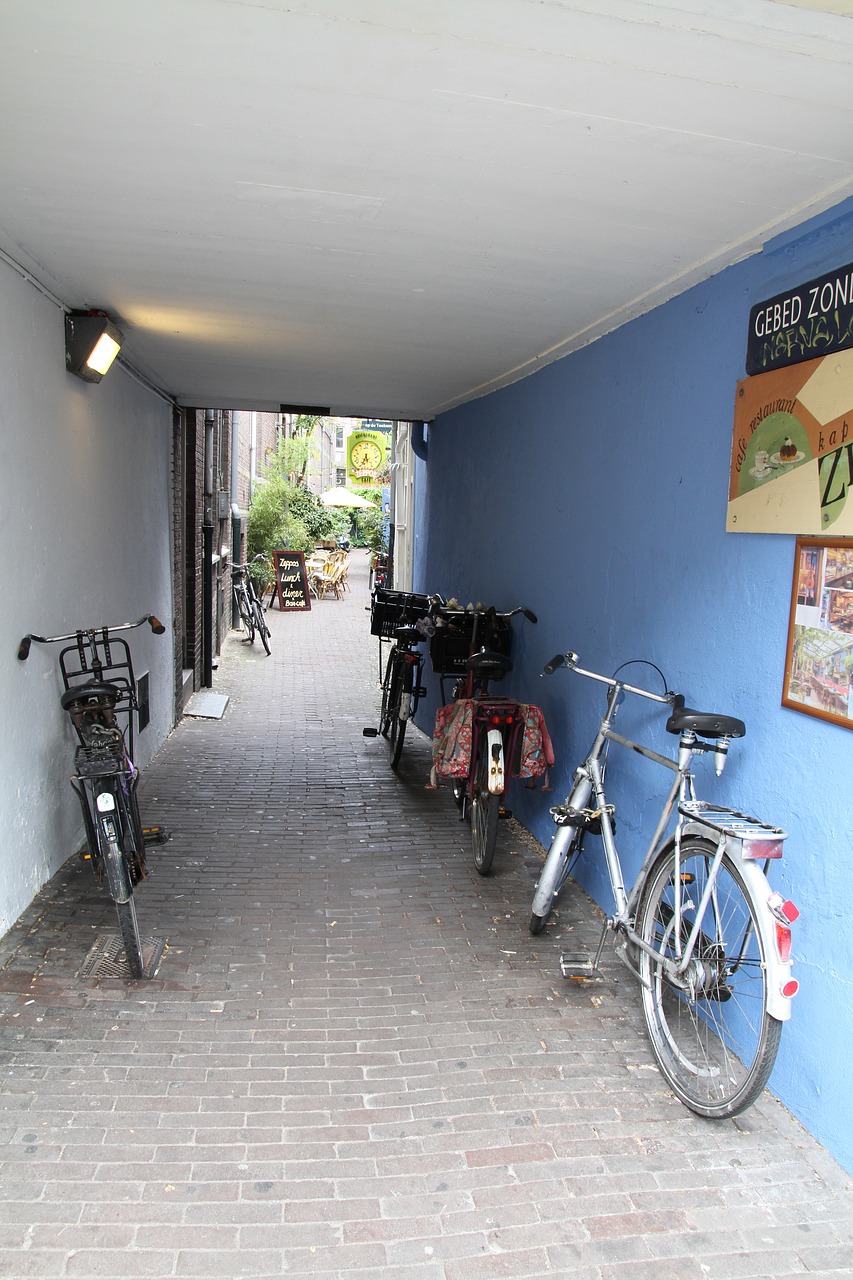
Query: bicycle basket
(392,609)
(450,647)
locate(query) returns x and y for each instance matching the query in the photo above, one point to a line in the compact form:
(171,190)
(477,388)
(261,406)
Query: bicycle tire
(552,877)
(117,868)
(397,727)
(244,608)
(387,680)
(261,624)
(129,926)
(485,809)
(715,1049)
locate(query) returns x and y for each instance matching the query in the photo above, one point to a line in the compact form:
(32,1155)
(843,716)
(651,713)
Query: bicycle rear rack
(758,840)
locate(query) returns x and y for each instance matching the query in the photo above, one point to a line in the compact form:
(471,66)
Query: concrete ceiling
(389,207)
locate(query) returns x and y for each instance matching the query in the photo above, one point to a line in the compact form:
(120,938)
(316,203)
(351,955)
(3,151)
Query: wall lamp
(92,342)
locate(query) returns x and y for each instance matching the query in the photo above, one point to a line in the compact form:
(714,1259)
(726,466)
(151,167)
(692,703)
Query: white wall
(85,536)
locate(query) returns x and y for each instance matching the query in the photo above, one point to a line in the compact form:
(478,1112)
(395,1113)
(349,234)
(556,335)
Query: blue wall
(594,492)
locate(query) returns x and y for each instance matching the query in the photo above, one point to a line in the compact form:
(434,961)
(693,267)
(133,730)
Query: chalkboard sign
(291,580)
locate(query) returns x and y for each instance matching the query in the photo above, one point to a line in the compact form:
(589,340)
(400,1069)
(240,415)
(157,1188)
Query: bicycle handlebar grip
(530,615)
(156,625)
(550,667)
(24,648)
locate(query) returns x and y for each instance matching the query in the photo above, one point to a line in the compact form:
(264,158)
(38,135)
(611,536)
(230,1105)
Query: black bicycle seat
(707,724)
(90,692)
(488,663)
(408,635)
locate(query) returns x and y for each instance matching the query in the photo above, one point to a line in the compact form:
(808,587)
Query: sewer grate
(106,958)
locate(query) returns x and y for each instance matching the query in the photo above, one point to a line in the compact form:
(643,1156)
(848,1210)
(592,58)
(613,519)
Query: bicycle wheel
(484,816)
(397,726)
(715,1044)
(388,692)
(565,847)
(247,618)
(119,879)
(261,624)
(129,927)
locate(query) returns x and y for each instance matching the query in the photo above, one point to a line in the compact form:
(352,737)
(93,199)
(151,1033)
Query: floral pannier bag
(451,746)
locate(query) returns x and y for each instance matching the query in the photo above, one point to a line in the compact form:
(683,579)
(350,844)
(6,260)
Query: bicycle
(247,603)
(479,735)
(395,615)
(701,929)
(99,687)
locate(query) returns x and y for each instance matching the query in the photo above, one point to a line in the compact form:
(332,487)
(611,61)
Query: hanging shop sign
(811,320)
(367,457)
(792,450)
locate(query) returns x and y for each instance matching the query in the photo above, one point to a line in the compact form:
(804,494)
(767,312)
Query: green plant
(272,526)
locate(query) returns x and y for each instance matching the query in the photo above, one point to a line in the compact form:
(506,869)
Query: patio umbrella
(343,498)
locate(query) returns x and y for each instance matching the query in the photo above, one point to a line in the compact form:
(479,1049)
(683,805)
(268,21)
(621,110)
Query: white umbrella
(343,498)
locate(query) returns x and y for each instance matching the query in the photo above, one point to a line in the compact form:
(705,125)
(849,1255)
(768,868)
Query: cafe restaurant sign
(812,320)
(367,456)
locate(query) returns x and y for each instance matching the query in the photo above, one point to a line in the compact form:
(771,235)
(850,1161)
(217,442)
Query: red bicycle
(483,739)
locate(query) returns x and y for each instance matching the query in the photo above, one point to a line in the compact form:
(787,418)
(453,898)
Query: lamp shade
(92,342)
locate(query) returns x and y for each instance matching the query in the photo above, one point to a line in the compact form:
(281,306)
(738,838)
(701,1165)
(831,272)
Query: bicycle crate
(392,609)
(450,647)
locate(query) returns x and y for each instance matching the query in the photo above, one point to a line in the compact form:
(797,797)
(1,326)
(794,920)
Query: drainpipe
(207,556)
(236,513)
(420,440)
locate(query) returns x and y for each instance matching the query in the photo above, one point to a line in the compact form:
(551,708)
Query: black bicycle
(100,698)
(403,617)
(248,605)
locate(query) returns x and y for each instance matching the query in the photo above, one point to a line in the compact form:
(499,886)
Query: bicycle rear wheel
(716,1044)
(390,696)
(397,726)
(485,808)
(119,878)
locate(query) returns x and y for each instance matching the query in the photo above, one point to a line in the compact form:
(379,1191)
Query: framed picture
(819,660)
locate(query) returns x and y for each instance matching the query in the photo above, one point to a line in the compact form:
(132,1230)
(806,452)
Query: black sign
(291,580)
(812,320)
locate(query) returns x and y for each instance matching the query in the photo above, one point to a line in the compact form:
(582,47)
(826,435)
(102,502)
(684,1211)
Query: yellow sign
(792,450)
(367,453)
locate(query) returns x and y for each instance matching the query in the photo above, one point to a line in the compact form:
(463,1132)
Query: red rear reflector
(790,988)
(783,942)
(789,911)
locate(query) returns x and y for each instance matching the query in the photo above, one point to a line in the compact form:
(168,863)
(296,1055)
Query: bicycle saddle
(707,724)
(408,635)
(488,663)
(90,692)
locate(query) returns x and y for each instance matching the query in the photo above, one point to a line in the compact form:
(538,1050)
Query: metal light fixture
(92,342)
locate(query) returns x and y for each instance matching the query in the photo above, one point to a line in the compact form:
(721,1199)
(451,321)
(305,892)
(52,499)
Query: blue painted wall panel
(594,492)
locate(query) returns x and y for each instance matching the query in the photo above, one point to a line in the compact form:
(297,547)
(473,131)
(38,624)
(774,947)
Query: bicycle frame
(748,839)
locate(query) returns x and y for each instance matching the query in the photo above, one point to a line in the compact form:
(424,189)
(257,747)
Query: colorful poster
(792,450)
(819,661)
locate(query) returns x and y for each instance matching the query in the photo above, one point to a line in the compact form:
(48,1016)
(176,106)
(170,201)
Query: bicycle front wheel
(715,1042)
(120,884)
(247,619)
(485,808)
(261,624)
(129,926)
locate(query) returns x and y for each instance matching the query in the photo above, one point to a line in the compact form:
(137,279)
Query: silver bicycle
(702,930)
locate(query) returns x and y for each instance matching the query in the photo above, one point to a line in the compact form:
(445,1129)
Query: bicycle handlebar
(24,647)
(571,660)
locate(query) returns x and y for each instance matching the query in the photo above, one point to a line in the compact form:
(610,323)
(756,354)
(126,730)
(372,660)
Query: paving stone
(354,1061)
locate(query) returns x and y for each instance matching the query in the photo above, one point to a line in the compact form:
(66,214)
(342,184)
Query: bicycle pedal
(155,835)
(576,966)
(370,733)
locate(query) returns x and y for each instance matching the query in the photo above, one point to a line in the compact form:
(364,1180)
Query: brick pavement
(354,1060)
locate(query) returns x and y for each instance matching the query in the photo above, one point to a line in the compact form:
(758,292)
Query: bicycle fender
(495,756)
(115,863)
(758,887)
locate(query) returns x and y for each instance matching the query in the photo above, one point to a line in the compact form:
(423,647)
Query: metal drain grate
(106,958)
